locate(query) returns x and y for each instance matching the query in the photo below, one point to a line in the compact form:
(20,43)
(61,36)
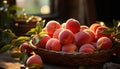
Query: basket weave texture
(74,59)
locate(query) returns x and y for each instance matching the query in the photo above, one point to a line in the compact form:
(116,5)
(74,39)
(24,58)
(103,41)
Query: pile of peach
(73,37)
(68,37)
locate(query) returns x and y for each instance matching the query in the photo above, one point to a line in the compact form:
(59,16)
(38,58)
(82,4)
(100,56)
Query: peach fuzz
(53,44)
(99,33)
(25,47)
(34,59)
(104,43)
(82,38)
(66,37)
(94,26)
(51,26)
(73,25)
(56,33)
(69,48)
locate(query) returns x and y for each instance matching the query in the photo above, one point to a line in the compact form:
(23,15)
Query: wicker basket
(74,59)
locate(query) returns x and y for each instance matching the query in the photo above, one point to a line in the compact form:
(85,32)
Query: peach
(82,38)
(40,40)
(87,45)
(83,27)
(69,48)
(25,47)
(73,25)
(53,44)
(94,44)
(87,48)
(66,36)
(92,35)
(63,25)
(99,33)
(56,33)
(34,59)
(104,43)
(51,26)
(94,26)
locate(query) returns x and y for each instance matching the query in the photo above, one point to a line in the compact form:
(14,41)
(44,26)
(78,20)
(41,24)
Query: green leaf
(7,36)
(20,40)
(16,55)
(24,58)
(109,31)
(5,48)
(37,29)
(31,31)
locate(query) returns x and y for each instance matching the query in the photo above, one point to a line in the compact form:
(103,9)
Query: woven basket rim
(70,53)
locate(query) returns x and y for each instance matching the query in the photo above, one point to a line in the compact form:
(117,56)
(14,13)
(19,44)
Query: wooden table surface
(7,62)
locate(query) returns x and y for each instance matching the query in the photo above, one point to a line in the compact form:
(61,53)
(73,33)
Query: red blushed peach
(92,35)
(94,44)
(82,38)
(73,25)
(51,26)
(34,59)
(86,50)
(104,43)
(66,36)
(94,27)
(40,40)
(83,27)
(87,45)
(99,32)
(53,44)
(56,33)
(69,48)
(25,47)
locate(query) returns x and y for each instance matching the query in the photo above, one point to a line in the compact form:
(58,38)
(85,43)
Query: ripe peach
(73,25)
(94,27)
(87,48)
(92,35)
(83,27)
(56,33)
(104,43)
(82,38)
(63,25)
(87,45)
(66,36)
(41,40)
(53,44)
(94,44)
(51,26)
(99,31)
(34,59)
(25,47)
(69,48)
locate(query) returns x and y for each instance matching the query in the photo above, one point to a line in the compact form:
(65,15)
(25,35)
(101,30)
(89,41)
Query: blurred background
(86,11)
